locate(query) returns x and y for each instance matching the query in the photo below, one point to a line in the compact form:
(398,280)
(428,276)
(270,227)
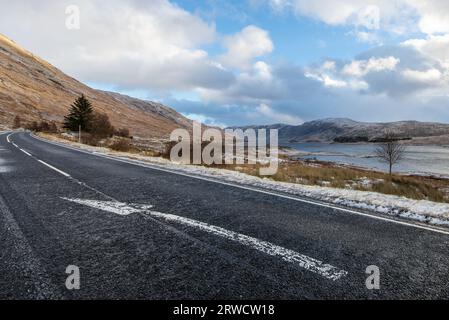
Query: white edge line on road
(329,206)
(55,169)
(44,163)
(7,138)
(27,153)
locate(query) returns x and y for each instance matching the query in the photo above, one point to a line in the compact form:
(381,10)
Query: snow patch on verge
(433,213)
(430,212)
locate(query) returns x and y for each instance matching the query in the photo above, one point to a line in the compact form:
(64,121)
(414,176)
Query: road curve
(140,233)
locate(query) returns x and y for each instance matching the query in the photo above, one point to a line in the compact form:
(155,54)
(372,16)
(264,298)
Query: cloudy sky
(251,61)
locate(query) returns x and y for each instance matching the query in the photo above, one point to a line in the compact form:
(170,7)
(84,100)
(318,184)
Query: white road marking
(27,153)
(44,163)
(328,271)
(313,265)
(55,169)
(330,206)
(116,207)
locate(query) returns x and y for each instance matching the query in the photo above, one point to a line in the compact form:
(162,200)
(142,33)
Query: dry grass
(122,145)
(330,175)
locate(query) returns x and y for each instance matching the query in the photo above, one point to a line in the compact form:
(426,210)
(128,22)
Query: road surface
(137,232)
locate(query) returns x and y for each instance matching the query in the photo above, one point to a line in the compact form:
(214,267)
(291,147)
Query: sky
(230,63)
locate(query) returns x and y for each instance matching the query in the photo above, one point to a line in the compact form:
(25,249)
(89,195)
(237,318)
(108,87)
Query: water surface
(418,159)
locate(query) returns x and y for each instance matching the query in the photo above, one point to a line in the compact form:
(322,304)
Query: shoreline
(350,160)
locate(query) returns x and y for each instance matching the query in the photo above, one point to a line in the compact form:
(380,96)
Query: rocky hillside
(36,90)
(347,130)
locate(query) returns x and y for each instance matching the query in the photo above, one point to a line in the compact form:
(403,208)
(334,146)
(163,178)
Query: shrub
(17,123)
(33,126)
(122,132)
(167,150)
(53,127)
(122,145)
(171,144)
(90,139)
(100,126)
(42,126)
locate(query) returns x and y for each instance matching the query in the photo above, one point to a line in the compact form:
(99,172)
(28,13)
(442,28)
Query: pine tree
(80,115)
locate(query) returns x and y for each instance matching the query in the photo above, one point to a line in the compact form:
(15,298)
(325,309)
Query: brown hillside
(36,90)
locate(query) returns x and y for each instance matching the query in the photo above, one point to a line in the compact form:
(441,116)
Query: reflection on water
(418,159)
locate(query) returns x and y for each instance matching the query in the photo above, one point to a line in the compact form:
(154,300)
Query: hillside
(347,130)
(36,90)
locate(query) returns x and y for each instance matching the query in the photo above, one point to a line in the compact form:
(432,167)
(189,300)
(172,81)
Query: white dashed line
(30,155)
(55,169)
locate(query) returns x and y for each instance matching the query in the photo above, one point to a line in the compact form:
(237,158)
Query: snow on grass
(434,213)
(419,210)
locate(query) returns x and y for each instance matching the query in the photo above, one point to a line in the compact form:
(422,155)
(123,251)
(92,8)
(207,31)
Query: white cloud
(322,75)
(263,83)
(148,45)
(431,76)
(360,68)
(263,70)
(156,45)
(434,15)
(367,14)
(330,82)
(368,37)
(436,47)
(436,50)
(328,65)
(243,47)
(205,119)
(264,111)
(396,16)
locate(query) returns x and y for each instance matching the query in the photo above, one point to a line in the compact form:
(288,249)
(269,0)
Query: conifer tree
(80,115)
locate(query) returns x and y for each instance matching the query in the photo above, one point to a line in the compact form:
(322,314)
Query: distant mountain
(346,130)
(35,90)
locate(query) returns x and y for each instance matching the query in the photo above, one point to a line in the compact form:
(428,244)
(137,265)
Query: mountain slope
(36,90)
(347,130)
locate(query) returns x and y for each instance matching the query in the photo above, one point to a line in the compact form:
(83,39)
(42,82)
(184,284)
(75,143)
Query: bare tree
(390,150)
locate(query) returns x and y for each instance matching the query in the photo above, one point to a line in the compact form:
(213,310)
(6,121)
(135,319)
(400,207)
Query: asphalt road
(200,239)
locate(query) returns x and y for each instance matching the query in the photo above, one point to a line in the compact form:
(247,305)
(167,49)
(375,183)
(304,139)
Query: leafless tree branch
(391,150)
